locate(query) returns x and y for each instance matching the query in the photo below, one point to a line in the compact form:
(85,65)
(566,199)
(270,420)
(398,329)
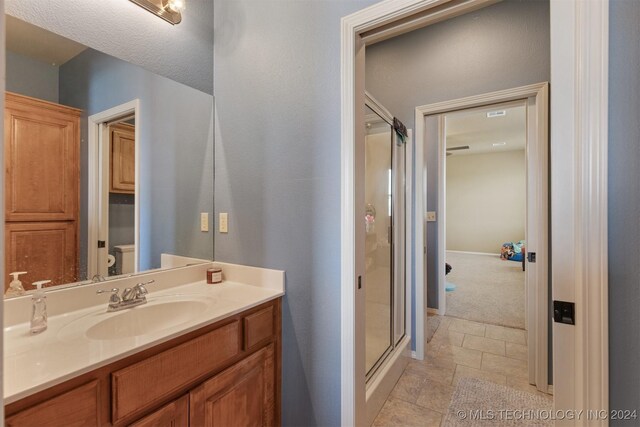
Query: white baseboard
(473,253)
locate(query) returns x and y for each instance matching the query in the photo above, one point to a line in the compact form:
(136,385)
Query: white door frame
(98,185)
(579,68)
(536,98)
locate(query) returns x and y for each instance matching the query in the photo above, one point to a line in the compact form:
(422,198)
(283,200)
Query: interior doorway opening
(484,214)
(114,192)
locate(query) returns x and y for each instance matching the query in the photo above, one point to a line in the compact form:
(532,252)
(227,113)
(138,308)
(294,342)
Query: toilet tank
(125,258)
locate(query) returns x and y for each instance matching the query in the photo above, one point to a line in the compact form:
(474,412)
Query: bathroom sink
(156,315)
(145,319)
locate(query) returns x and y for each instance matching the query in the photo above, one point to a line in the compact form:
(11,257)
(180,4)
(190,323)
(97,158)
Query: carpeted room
(485,187)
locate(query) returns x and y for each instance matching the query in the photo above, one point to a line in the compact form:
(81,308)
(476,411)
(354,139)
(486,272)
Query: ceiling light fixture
(177,6)
(499,144)
(498,113)
(169,10)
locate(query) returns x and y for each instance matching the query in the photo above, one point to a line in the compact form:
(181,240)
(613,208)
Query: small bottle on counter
(39,308)
(214,275)
(15,287)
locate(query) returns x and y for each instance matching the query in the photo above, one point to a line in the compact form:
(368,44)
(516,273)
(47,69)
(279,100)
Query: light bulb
(176,6)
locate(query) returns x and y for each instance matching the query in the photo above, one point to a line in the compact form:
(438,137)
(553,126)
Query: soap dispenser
(39,309)
(15,288)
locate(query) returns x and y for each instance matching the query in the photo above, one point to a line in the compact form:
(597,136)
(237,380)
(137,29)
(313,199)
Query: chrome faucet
(131,297)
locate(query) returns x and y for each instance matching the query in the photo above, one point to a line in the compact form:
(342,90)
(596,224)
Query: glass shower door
(385,210)
(379,238)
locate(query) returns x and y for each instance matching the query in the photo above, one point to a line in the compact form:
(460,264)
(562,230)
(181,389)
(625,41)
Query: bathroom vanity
(195,354)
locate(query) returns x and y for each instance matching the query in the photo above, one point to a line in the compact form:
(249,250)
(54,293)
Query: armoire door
(42,149)
(45,250)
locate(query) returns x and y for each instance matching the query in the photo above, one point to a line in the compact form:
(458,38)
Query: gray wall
(121,220)
(277,89)
(30,77)
(120,28)
(624,206)
(176,150)
(499,47)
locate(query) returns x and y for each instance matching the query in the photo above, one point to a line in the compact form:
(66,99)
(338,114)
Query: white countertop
(35,362)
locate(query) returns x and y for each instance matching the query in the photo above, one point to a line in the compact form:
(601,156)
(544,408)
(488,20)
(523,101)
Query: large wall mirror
(108,166)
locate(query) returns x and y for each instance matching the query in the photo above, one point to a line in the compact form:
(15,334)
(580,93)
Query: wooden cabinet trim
(22,101)
(140,385)
(80,407)
(258,327)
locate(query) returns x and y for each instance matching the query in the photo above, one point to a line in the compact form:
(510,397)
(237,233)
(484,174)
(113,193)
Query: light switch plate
(431,216)
(223,224)
(204,221)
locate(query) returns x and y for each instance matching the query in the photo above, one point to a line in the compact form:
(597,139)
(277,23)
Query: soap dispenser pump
(15,288)
(39,309)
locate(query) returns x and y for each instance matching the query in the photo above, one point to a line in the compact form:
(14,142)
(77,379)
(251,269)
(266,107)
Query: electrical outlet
(204,221)
(431,216)
(223,223)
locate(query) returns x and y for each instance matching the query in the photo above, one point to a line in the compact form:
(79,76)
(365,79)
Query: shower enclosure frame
(386,371)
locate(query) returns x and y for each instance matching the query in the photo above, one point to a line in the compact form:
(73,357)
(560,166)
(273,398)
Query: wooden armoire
(42,190)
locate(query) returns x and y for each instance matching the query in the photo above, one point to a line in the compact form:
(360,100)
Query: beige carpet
(477,403)
(488,289)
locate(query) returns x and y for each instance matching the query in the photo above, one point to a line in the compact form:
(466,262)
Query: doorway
(431,122)
(484,213)
(114,196)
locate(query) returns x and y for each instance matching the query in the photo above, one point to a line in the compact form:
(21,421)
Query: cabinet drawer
(174,414)
(142,384)
(78,407)
(258,327)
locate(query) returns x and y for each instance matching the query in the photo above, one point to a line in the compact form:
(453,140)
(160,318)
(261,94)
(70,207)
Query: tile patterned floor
(458,349)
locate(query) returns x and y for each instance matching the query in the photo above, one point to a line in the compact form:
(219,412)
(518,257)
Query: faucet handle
(114,295)
(113,291)
(140,288)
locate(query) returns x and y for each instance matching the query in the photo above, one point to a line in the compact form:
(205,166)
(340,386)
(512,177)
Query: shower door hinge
(101,243)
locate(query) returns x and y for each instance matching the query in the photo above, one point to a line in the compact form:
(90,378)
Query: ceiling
(473,128)
(28,40)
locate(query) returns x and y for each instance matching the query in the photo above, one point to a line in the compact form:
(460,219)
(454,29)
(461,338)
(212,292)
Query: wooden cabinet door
(46,250)
(42,151)
(123,158)
(175,414)
(241,396)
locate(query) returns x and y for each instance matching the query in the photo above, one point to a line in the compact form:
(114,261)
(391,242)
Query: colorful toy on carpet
(512,251)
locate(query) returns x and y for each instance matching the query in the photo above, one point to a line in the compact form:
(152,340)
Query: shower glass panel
(379,183)
(399,209)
